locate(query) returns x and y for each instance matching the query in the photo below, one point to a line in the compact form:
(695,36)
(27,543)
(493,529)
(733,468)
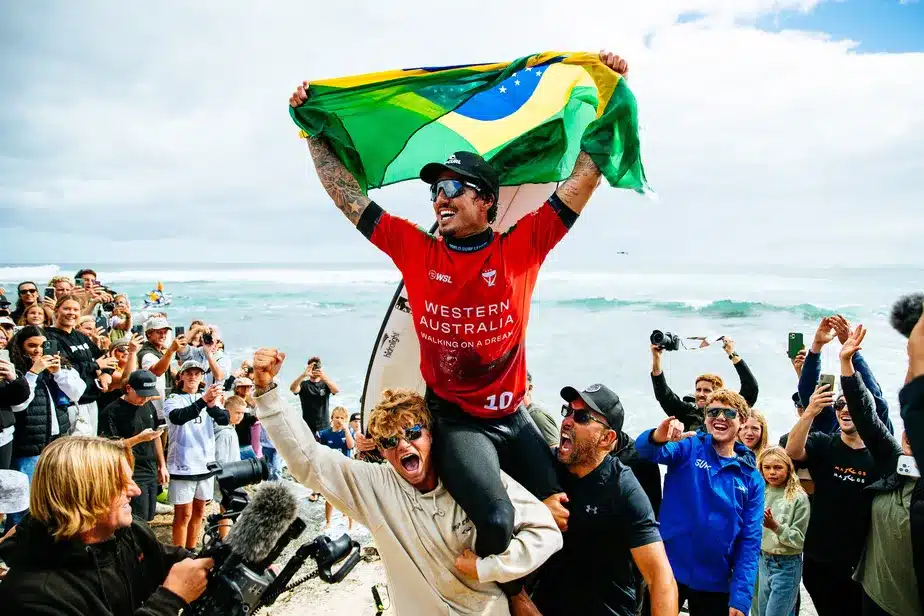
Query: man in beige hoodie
(424,537)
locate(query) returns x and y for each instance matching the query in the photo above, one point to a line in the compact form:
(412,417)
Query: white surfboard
(395,360)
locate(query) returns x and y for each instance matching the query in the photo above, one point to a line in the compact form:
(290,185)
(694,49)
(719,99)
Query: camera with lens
(108,306)
(241,581)
(207,337)
(665,341)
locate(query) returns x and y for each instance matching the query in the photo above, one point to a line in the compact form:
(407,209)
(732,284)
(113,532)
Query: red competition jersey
(471,308)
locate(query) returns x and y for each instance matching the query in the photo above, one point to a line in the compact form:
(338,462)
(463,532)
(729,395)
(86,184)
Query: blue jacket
(826,421)
(712,515)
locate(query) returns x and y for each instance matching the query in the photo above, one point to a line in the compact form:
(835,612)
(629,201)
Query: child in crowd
(786,518)
(338,436)
(227,446)
(191,438)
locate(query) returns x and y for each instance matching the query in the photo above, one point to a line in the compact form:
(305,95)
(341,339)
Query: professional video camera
(665,340)
(241,582)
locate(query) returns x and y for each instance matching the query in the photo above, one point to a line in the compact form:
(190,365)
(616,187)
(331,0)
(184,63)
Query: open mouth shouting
(720,427)
(410,462)
(446,214)
(565,444)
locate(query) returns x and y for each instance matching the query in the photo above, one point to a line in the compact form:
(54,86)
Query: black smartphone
(179,330)
(50,292)
(827,379)
(138,330)
(796,344)
(50,347)
(102,322)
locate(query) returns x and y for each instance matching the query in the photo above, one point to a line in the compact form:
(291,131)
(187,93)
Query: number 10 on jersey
(499,403)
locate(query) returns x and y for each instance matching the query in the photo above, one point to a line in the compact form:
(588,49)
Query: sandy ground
(354,594)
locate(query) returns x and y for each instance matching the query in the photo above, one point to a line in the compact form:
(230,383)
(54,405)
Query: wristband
(734,356)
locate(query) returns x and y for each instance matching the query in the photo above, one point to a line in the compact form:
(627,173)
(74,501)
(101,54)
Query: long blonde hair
(792,487)
(76,480)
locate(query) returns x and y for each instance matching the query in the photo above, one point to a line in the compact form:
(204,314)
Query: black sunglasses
(716,411)
(24,291)
(840,405)
(410,435)
(450,188)
(582,416)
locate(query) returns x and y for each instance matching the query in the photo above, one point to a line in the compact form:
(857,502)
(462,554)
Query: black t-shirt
(315,397)
(125,420)
(609,516)
(244,438)
(840,508)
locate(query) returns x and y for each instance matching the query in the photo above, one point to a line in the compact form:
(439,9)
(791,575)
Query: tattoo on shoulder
(338,181)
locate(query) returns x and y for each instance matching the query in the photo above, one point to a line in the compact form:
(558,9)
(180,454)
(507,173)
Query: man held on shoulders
(425,538)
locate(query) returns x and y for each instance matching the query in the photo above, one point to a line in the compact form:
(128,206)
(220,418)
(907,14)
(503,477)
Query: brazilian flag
(529,118)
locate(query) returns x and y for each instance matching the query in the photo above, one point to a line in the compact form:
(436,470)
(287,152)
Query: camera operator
(208,354)
(425,538)
(78,552)
(691,413)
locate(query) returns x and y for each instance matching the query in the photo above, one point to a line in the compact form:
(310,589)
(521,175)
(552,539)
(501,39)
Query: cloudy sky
(773,130)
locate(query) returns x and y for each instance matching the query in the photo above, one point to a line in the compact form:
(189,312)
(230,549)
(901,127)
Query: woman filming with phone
(892,583)
(43,417)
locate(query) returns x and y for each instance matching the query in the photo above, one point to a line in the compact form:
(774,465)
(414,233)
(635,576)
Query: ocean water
(585,326)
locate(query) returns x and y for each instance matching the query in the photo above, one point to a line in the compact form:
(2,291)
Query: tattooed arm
(337,180)
(575,192)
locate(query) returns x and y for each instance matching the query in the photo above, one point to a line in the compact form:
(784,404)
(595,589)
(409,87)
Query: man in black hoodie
(64,560)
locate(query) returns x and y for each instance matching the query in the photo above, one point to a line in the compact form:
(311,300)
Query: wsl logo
(490,277)
(452,160)
(434,275)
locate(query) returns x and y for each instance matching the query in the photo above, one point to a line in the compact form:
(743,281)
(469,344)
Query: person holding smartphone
(132,418)
(841,467)
(14,390)
(892,582)
(43,416)
(314,389)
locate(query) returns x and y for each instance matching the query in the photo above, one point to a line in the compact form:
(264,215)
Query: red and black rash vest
(470,301)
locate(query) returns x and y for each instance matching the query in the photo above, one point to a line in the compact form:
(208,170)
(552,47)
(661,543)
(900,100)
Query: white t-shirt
(148,360)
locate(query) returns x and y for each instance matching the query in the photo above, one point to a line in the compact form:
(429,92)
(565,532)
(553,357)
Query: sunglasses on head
(840,405)
(582,416)
(410,435)
(450,188)
(716,411)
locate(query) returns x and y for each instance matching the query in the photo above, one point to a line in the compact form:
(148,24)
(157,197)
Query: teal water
(585,327)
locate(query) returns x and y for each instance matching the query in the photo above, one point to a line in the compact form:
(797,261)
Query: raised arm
(875,433)
(798,436)
(691,417)
(348,484)
(748,382)
(842,327)
(575,192)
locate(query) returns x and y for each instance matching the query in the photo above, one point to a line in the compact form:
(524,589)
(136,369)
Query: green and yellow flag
(529,118)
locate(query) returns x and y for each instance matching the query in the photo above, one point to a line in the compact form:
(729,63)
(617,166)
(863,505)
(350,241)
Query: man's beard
(582,452)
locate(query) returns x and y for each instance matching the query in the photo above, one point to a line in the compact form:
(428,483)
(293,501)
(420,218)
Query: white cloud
(771,141)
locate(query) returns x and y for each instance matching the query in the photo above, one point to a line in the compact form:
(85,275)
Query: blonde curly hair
(397,409)
(792,487)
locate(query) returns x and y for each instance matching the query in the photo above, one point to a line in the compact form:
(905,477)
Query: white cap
(156,323)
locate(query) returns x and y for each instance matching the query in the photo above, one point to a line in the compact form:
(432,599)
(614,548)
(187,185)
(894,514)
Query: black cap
(144,383)
(354,417)
(601,399)
(466,164)
(4,301)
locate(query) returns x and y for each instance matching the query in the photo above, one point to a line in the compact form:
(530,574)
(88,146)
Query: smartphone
(827,379)
(102,322)
(908,467)
(50,292)
(4,355)
(796,344)
(138,330)
(179,330)
(50,347)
